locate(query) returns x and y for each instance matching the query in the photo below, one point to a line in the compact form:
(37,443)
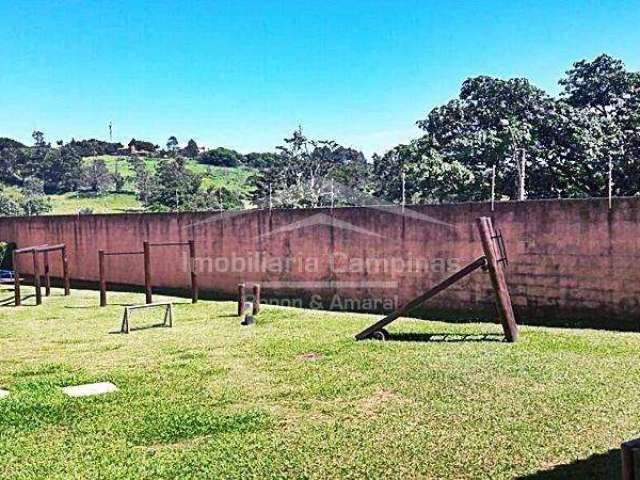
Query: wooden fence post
(16,279)
(194,274)
(256,299)
(147,272)
(65,271)
(36,277)
(241,298)
(503,299)
(47,274)
(103,281)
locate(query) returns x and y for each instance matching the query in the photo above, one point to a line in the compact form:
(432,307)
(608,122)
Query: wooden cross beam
(489,261)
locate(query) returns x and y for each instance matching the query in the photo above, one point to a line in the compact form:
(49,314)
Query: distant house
(140,147)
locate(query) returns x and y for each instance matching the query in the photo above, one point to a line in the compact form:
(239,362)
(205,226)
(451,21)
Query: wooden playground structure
(45,250)
(493,261)
(148,282)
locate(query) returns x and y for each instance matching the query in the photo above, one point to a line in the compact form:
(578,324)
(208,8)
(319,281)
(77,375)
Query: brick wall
(569,259)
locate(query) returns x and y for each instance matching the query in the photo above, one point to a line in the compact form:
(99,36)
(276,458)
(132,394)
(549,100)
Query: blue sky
(245,73)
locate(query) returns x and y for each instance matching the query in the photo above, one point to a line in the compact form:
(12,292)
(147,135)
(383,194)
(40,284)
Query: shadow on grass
(11,301)
(135,329)
(446,337)
(604,466)
(85,307)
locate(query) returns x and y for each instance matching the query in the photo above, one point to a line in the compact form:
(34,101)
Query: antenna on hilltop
(110,131)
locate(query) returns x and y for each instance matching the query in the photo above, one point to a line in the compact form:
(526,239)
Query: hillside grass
(297,397)
(72,203)
(234,179)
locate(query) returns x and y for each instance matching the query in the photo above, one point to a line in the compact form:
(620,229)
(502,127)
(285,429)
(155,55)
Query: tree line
(504,136)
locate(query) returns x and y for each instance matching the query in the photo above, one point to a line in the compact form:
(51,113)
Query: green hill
(234,179)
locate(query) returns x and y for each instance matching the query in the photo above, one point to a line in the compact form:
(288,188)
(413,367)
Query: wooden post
(103,280)
(36,277)
(628,459)
(65,271)
(16,279)
(147,272)
(241,299)
(503,299)
(256,299)
(194,274)
(47,275)
(125,321)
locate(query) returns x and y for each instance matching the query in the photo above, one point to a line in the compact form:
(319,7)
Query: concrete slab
(4,393)
(90,389)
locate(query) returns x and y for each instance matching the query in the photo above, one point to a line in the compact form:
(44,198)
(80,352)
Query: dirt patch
(311,357)
(375,404)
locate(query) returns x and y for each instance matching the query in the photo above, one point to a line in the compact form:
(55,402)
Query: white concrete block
(90,389)
(4,393)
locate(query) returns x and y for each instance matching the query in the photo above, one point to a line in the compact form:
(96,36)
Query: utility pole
(270,198)
(610,182)
(110,131)
(519,160)
(404,191)
(332,194)
(522,173)
(493,187)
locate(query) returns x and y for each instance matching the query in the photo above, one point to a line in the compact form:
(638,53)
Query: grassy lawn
(71,203)
(297,397)
(235,179)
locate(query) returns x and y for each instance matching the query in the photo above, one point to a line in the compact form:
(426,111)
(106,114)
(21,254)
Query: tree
(172,145)
(221,157)
(259,160)
(9,205)
(494,123)
(605,90)
(34,201)
(602,84)
(173,186)
(118,181)
(61,169)
(312,173)
(191,150)
(96,176)
(142,179)
(428,178)
(38,138)
(219,198)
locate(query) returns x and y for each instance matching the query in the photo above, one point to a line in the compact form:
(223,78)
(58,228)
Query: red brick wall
(569,258)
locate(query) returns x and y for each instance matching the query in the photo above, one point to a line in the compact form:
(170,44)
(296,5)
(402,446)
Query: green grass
(235,179)
(297,397)
(72,203)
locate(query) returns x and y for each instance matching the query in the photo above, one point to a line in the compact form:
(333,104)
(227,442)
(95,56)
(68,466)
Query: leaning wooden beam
(496,273)
(416,302)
